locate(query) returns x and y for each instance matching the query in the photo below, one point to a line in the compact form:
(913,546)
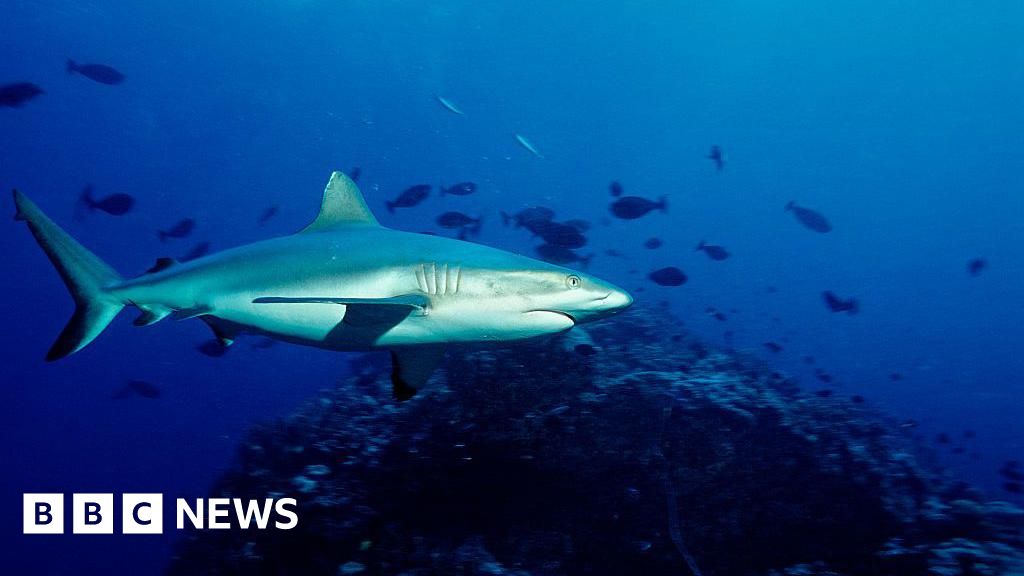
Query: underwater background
(902,124)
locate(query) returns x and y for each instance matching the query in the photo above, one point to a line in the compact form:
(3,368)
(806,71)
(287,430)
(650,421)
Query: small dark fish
(653,243)
(528,217)
(808,359)
(1013,487)
(614,253)
(811,219)
(1011,471)
(459,221)
(633,207)
(615,189)
(561,255)
(773,347)
(771,290)
(976,266)
(585,349)
(943,438)
(716,313)
(355,173)
(460,189)
(138,388)
(563,235)
(668,276)
(714,252)
(715,155)
(969,434)
(824,393)
(182,229)
(115,204)
(857,399)
(212,348)
(837,304)
(267,214)
(197,251)
(823,376)
(96,72)
(895,376)
(579,224)
(14,95)
(412,196)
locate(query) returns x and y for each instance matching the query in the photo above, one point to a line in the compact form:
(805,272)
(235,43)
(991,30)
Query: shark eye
(573,281)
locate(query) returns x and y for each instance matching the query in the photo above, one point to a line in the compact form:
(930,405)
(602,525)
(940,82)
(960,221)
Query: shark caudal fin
(85,275)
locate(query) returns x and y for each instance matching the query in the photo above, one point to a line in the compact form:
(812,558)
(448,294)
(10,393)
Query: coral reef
(644,452)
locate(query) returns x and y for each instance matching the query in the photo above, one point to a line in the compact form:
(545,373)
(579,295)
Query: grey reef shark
(342,283)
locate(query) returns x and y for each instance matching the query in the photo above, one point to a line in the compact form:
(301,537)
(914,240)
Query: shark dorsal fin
(343,205)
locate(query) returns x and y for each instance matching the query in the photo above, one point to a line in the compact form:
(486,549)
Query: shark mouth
(559,312)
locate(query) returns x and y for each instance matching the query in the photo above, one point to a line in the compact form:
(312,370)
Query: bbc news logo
(143,513)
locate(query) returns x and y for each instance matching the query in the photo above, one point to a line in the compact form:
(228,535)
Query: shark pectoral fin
(411,368)
(161,264)
(342,205)
(365,311)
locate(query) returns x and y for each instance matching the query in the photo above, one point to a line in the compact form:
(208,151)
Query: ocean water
(901,124)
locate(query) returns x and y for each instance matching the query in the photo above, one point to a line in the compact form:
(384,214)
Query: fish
(17,94)
(355,173)
(528,217)
(115,204)
(808,360)
(633,207)
(268,213)
(181,229)
(857,399)
(561,255)
(1013,487)
(410,197)
(653,243)
(460,189)
(716,314)
(976,266)
(943,438)
(562,235)
(528,145)
(342,283)
(810,219)
(459,221)
(715,155)
(773,347)
(138,388)
(714,252)
(448,105)
(96,72)
(668,276)
(837,304)
(823,393)
(615,189)
(579,341)
(822,375)
(895,376)
(198,251)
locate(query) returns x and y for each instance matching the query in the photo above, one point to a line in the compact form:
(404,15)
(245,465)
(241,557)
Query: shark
(344,282)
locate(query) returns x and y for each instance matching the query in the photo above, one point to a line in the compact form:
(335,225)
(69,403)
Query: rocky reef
(638,450)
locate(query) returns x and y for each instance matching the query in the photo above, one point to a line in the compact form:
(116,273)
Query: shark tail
(71,66)
(86,276)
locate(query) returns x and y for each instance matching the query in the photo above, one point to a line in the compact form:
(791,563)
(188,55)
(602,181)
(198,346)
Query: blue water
(903,125)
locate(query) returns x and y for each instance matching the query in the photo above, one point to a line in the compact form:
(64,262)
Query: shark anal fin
(342,205)
(151,315)
(411,368)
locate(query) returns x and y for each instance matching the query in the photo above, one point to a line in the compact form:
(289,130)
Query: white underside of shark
(343,283)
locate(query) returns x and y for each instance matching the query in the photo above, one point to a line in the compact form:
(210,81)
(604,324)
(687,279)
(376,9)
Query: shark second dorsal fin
(343,205)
